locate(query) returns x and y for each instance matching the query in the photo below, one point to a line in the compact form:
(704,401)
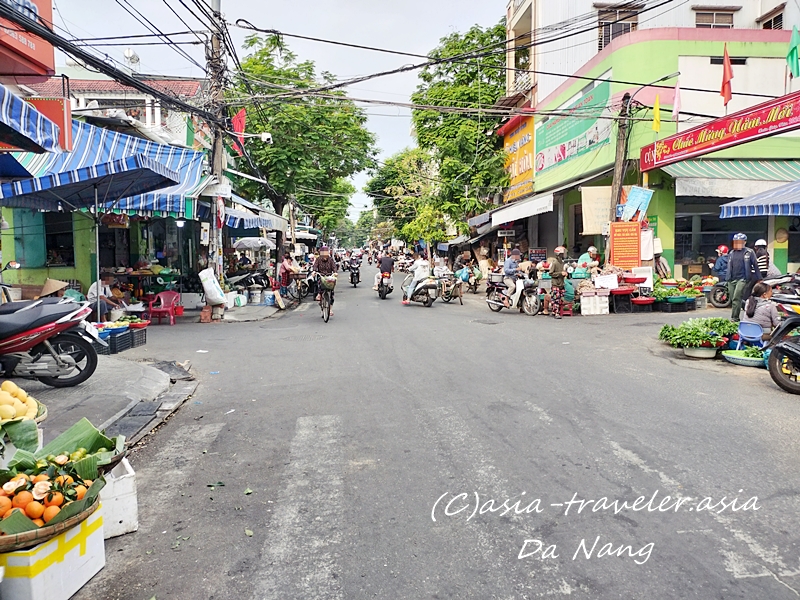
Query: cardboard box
(58,568)
(120,504)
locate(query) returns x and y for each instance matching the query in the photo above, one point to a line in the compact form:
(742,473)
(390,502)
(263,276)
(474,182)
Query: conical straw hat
(53,285)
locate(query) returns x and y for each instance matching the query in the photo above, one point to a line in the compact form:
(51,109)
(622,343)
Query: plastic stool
(566,309)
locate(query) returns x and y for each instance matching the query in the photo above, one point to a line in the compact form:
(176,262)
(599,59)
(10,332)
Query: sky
(407,25)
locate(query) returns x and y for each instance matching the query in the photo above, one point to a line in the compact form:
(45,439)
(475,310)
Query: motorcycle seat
(12,324)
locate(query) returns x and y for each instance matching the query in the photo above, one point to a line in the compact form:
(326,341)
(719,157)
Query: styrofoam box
(119,501)
(192,300)
(10,449)
(58,568)
(594,305)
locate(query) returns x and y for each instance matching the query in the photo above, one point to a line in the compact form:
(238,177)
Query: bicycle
(325,286)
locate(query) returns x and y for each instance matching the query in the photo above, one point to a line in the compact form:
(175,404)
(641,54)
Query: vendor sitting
(107,300)
(761,310)
(588,260)
(53,288)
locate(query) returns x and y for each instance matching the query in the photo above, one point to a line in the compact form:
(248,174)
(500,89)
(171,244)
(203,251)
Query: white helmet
(760,243)
(592,250)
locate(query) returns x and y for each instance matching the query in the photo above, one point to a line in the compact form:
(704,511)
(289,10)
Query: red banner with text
(769,118)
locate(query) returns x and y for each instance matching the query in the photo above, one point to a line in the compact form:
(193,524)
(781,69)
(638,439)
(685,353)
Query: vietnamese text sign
(519,149)
(537,255)
(769,118)
(580,130)
(29,54)
(506,233)
(625,245)
(596,205)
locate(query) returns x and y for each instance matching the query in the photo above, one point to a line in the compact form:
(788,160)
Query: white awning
(520,210)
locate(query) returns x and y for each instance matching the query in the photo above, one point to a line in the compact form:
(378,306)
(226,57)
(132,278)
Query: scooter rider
(385,265)
(354,264)
(510,271)
(421,271)
(719,268)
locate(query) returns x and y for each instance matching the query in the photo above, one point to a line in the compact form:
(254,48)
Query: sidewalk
(115,388)
(240,314)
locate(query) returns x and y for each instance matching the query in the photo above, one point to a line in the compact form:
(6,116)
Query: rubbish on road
(215,372)
(248,491)
(230,411)
(202,351)
(213,485)
(248,533)
(175,371)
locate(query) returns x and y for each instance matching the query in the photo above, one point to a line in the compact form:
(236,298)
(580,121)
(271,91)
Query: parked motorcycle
(385,286)
(48,340)
(719,295)
(784,355)
(425,292)
(526,294)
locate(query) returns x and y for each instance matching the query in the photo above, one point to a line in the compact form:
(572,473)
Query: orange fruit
(64,480)
(86,482)
(21,476)
(50,512)
(81,491)
(22,499)
(39,522)
(41,477)
(5,505)
(11,510)
(54,499)
(34,509)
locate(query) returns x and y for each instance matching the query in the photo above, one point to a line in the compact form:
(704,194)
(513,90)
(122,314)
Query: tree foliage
(463,145)
(318,143)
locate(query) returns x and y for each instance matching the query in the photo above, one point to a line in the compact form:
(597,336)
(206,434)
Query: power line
(132,37)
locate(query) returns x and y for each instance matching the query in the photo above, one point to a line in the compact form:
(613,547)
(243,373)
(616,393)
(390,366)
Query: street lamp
(659,80)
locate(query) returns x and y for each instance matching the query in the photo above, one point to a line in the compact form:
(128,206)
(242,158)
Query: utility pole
(622,145)
(216,66)
(292,225)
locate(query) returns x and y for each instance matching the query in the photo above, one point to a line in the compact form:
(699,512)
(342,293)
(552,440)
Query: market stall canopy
(457,241)
(94,147)
(71,190)
(254,243)
(481,219)
(305,235)
(24,127)
(731,178)
(237,219)
(782,201)
(274,222)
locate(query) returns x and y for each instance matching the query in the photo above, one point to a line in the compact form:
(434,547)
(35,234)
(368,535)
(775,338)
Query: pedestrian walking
(742,269)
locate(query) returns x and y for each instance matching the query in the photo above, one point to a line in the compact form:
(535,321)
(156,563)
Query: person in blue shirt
(510,271)
(719,268)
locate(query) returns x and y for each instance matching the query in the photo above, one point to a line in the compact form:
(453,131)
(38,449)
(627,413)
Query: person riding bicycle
(385,265)
(325,265)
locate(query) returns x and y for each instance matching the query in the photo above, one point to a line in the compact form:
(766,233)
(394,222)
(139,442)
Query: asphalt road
(404,452)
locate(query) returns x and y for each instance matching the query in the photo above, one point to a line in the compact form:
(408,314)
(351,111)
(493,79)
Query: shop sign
(506,233)
(537,255)
(21,53)
(626,243)
(763,120)
(519,149)
(652,220)
(562,138)
(59,111)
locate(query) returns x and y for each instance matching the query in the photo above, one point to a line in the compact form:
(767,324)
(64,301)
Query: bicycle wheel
(305,289)
(326,306)
(294,294)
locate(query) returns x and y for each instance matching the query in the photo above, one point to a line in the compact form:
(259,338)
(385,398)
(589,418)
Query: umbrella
(253,243)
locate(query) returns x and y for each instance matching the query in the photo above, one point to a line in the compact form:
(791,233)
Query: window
(714,20)
(775,22)
(59,241)
(613,23)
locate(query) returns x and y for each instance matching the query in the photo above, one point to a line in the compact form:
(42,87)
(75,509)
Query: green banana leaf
(17,523)
(24,434)
(81,435)
(22,461)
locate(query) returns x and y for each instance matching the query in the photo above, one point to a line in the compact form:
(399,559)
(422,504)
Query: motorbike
(48,339)
(784,355)
(355,273)
(525,296)
(719,295)
(385,286)
(451,288)
(425,291)
(369,259)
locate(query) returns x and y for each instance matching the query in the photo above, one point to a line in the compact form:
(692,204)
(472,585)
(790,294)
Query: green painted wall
(780,251)
(662,207)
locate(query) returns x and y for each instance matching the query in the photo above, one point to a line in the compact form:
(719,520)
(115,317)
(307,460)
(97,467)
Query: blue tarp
(782,201)
(24,127)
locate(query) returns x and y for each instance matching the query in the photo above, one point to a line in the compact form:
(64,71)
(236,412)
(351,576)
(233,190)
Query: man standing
(742,268)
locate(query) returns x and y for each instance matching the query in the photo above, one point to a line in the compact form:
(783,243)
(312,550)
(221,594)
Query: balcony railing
(522,81)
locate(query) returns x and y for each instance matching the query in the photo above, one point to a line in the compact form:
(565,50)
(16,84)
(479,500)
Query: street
(451,452)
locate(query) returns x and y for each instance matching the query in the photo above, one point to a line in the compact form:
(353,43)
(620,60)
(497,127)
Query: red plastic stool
(566,309)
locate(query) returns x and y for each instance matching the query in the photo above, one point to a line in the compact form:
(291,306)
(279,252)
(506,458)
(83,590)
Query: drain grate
(485,322)
(303,338)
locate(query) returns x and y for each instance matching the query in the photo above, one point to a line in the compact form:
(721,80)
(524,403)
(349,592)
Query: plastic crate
(100,349)
(701,302)
(138,337)
(642,308)
(691,304)
(120,342)
(674,307)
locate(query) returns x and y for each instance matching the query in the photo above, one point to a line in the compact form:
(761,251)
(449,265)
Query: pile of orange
(37,502)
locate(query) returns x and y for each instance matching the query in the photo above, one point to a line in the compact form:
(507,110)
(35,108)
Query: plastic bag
(477,272)
(74,295)
(463,274)
(211,287)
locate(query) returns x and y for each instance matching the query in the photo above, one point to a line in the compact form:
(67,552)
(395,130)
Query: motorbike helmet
(562,250)
(722,250)
(760,243)
(590,250)
(739,237)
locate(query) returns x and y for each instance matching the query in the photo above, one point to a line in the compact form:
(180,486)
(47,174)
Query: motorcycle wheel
(81,351)
(719,297)
(777,364)
(382,292)
(428,302)
(530,304)
(495,296)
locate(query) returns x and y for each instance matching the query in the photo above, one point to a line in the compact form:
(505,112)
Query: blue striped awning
(782,201)
(24,127)
(237,219)
(71,190)
(94,146)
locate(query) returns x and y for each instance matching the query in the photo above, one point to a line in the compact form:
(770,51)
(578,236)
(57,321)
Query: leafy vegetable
(753,352)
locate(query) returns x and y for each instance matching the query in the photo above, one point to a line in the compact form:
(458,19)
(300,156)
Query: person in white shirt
(421,270)
(107,301)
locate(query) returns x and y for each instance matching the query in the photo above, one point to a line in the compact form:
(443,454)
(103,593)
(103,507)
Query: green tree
(463,145)
(363,228)
(318,142)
